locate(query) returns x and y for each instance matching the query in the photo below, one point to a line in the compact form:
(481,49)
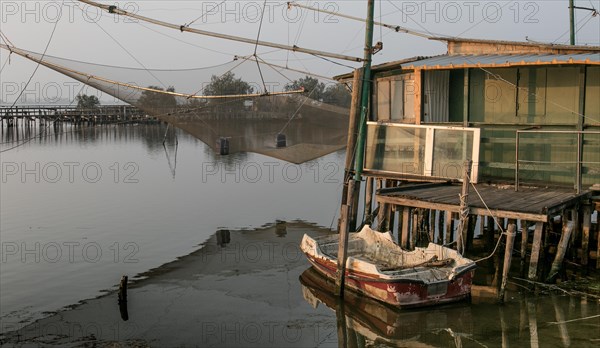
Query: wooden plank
(455,208)
(510,240)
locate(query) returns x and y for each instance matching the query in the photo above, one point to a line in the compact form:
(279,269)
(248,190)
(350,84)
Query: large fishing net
(246,104)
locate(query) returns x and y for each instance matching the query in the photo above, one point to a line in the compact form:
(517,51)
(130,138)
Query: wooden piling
(122,295)
(510,240)
(585,230)
(369,200)
(524,239)
(449,225)
(414,230)
(440,224)
(535,251)
(406,219)
(561,250)
(464,209)
(342,252)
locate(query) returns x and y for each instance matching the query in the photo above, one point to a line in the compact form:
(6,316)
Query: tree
(337,94)
(87,101)
(227,84)
(313,88)
(157,100)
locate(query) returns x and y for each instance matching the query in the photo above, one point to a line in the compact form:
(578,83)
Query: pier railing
(557,156)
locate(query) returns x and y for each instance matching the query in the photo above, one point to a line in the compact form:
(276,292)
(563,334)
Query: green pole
(572,20)
(366,91)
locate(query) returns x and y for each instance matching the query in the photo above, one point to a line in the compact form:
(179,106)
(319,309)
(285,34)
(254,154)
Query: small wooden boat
(378,268)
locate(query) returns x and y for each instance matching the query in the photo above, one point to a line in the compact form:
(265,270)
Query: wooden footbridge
(24,114)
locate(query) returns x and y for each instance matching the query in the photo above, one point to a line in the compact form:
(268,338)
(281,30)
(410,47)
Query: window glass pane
(409,98)
(397,99)
(451,149)
(395,149)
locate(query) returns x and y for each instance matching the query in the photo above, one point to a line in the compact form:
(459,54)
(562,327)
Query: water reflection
(528,322)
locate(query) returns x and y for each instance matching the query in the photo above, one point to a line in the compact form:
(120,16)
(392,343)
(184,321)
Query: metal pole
(366,91)
(572,20)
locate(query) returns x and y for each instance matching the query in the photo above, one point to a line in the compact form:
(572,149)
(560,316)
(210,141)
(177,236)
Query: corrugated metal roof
(501,60)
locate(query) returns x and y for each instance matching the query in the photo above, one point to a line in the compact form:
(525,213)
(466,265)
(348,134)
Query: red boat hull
(402,293)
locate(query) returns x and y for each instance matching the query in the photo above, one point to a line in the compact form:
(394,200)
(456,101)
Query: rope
(126,50)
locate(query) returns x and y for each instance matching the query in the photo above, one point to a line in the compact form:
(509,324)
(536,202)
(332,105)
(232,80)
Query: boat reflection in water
(364,321)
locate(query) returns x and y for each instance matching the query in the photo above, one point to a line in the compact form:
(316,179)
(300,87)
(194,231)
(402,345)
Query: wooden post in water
(585,230)
(343,243)
(449,226)
(510,240)
(536,245)
(369,200)
(561,250)
(406,219)
(464,209)
(123,290)
(524,238)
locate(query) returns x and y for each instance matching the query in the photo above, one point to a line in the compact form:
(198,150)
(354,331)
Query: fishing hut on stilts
(492,148)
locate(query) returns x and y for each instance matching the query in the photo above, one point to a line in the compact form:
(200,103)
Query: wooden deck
(531,204)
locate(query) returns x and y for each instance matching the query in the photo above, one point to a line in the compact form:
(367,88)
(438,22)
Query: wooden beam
(510,240)
(535,250)
(342,252)
(418,95)
(456,209)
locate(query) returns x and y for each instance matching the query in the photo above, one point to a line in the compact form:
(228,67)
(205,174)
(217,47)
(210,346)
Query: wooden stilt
(464,209)
(524,238)
(415,229)
(449,228)
(400,214)
(470,233)
(369,200)
(431,225)
(343,243)
(561,250)
(535,251)
(406,220)
(489,234)
(576,233)
(585,230)
(510,240)
(440,229)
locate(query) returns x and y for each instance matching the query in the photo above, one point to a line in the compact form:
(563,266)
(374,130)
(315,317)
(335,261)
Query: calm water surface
(82,207)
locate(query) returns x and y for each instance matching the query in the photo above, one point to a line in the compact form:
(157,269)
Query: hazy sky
(88,34)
